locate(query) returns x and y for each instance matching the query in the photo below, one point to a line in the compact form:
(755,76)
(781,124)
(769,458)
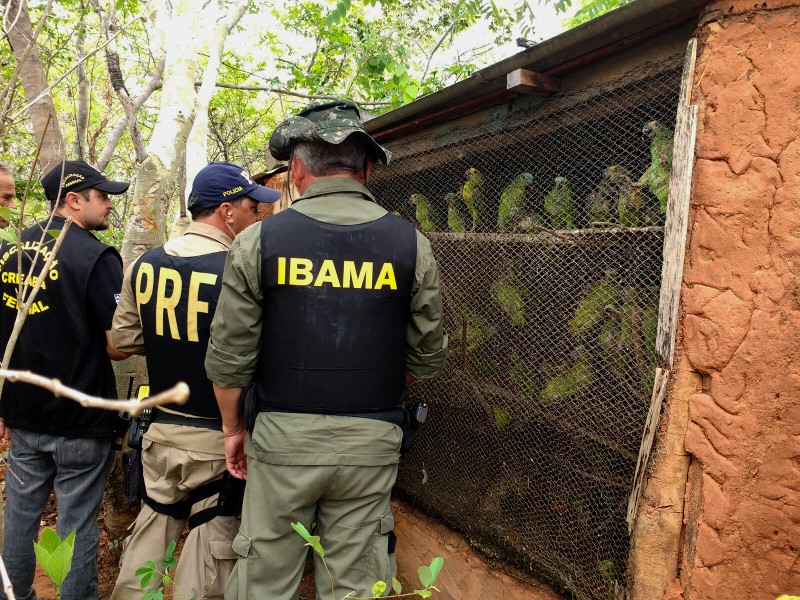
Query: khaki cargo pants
(207,558)
(350,502)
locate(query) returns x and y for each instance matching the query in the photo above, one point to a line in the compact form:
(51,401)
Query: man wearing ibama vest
(331,306)
(168,298)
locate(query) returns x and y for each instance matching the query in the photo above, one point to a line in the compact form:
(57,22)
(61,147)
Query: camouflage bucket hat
(330,122)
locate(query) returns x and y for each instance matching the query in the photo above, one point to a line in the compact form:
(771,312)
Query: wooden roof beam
(530,82)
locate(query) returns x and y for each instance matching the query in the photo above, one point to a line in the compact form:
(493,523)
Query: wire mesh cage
(551,304)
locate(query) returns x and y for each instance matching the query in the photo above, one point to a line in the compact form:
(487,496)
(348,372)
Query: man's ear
(225,210)
(368,165)
(73,200)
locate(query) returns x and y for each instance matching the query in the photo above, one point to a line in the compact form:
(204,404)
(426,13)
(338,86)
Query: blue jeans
(77,469)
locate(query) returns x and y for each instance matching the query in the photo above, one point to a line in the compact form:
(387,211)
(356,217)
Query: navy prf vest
(336,301)
(176,297)
(59,338)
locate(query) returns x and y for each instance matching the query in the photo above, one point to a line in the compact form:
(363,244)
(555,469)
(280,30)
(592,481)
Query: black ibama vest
(59,338)
(336,302)
(176,297)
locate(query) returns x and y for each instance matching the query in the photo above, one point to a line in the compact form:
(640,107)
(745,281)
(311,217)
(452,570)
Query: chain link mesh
(536,423)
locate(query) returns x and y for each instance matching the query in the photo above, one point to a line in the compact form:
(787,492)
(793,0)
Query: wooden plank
(525,81)
(680,187)
(648,439)
(675,233)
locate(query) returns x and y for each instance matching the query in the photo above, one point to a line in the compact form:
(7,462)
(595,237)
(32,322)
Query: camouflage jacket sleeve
(426,341)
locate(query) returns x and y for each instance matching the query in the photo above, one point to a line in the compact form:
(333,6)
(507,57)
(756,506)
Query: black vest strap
(182,508)
(177,297)
(161,416)
(336,305)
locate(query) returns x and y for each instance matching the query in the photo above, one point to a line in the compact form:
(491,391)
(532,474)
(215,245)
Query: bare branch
(153,84)
(5,95)
(66,74)
(177,394)
(7,587)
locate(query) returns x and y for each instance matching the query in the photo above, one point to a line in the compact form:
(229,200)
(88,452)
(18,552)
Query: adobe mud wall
(465,575)
(736,390)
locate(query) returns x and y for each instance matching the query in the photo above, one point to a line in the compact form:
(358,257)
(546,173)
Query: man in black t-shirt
(56,444)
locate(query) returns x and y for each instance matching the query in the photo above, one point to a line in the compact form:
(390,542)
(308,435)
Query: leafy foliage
(151,574)
(54,555)
(590,9)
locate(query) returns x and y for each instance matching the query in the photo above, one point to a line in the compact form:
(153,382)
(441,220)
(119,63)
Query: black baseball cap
(220,182)
(78,175)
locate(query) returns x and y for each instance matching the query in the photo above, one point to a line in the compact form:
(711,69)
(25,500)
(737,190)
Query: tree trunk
(34,81)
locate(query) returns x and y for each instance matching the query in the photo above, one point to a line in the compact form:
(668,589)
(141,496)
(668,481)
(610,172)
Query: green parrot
(559,205)
(632,205)
(591,309)
(521,374)
(510,295)
(600,204)
(474,198)
(620,333)
(656,177)
(513,202)
(427,214)
(578,378)
(456,220)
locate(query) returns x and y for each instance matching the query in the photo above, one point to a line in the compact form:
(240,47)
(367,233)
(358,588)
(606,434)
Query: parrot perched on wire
(428,215)
(578,378)
(633,206)
(656,177)
(591,309)
(510,294)
(456,219)
(601,204)
(514,202)
(474,198)
(560,207)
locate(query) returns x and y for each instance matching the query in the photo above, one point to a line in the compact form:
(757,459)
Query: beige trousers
(207,558)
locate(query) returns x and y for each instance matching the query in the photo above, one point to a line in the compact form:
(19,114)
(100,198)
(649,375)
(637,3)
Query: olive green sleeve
(426,341)
(235,341)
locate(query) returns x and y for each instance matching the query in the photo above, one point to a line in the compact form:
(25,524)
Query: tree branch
(258,88)
(177,394)
(66,74)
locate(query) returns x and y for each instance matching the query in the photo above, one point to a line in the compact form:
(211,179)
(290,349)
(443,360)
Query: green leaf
(54,232)
(8,236)
(397,587)
(378,589)
(5,212)
(425,576)
(313,540)
(423,593)
(399,69)
(55,555)
(436,566)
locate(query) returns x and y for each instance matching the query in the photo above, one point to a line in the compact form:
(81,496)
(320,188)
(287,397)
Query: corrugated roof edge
(488,86)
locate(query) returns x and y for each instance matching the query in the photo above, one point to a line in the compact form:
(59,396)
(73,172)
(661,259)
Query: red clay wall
(465,575)
(741,297)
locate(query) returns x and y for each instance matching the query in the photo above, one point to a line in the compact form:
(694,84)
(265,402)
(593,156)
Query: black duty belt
(161,416)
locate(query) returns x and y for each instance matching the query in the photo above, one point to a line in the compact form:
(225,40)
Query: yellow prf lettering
(355,278)
(143,295)
(300,271)
(386,277)
(327,274)
(166,304)
(195,305)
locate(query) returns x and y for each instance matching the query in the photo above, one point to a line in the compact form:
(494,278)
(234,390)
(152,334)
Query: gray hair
(323,159)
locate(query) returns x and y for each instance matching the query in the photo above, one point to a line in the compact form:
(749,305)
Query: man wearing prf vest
(168,299)
(57,444)
(331,307)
